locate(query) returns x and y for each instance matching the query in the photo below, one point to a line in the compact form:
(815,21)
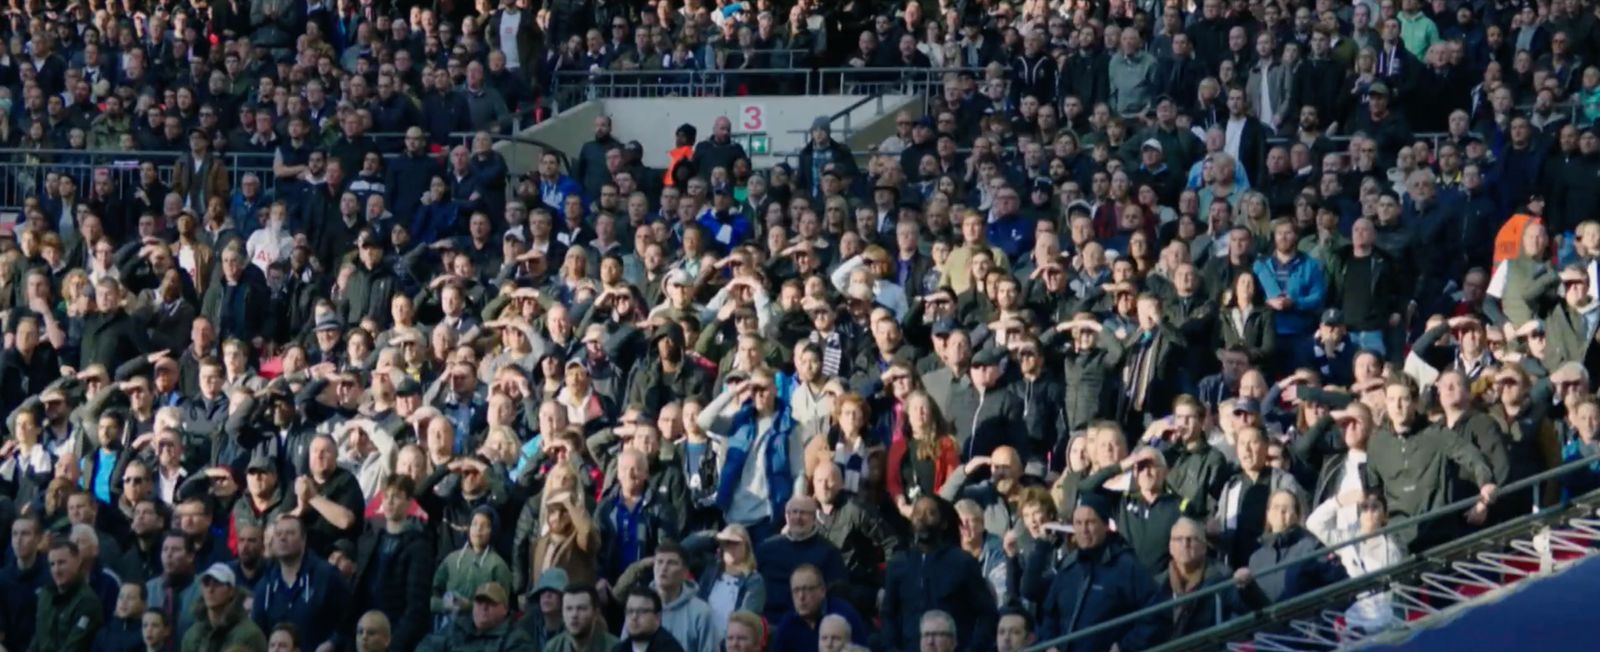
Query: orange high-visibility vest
(1508,242)
(675,157)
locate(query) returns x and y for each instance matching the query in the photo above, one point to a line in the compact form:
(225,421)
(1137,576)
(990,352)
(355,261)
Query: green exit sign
(758,144)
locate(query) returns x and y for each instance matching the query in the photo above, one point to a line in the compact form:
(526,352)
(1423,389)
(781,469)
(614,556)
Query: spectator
(473,565)
(1148,508)
(801,629)
(67,606)
(799,542)
(643,611)
(1286,540)
(488,627)
(683,614)
(543,620)
(303,589)
(912,589)
(1189,570)
(1103,559)
(394,558)
(176,592)
(1414,489)
(373,633)
(733,583)
(583,629)
(1295,286)
(224,624)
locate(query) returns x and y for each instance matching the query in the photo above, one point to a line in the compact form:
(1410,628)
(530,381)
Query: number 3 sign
(752,117)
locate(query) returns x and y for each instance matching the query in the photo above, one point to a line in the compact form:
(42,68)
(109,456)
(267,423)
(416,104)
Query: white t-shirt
(510,21)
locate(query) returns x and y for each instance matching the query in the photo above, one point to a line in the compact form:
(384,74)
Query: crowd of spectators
(1148,298)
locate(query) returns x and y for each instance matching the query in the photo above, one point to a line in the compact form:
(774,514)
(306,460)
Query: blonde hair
(750,620)
(747,565)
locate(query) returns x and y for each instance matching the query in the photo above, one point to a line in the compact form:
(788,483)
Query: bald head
(372,632)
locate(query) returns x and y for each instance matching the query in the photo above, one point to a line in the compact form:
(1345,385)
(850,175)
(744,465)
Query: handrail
(1392,527)
(1358,585)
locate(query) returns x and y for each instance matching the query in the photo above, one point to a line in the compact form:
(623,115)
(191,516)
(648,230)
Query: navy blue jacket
(1096,586)
(409,177)
(316,602)
(794,634)
(120,635)
(19,601)
(778,556)
(945,578)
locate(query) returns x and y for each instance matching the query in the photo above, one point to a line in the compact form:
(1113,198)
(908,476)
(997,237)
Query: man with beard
(251,565)
(934,574)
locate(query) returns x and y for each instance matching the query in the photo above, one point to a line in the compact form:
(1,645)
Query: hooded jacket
(316,603)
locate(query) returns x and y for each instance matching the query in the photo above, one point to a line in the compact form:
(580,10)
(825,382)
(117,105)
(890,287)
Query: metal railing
(571,88)
(1163,609)
(24,172)
(1428,594)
